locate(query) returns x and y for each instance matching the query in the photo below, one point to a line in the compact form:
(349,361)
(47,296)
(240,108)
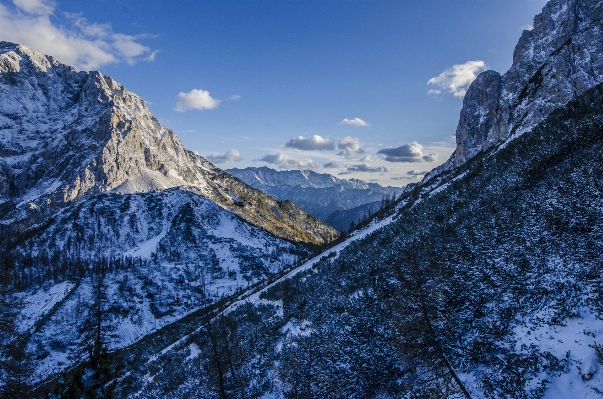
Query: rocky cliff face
(66,136)
(560,58)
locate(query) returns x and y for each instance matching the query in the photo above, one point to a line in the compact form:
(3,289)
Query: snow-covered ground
(572,341)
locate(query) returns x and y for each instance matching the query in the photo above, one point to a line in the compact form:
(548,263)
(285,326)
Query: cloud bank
(284,161)
(314,143)
(195,99)
(355,122)
(411,175)
(458,78)
(230,156)
(412,152)
(81,44)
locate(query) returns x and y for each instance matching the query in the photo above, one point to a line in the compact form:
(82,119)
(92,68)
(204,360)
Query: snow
(357,235)
(195,351)
(147,181)
(41,303)
(572,341)
(147,248)
(295,328)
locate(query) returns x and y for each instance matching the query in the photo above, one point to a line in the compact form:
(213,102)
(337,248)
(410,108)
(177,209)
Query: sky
(358,89)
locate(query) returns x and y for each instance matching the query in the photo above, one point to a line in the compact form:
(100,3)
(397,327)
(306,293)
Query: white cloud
(79,43)
(411,175)
(355,122)
(314,143)
(234,97)
(230,156)
(365,168)
(412,152)
(458,78)
(195,99)
(349,147)
(434,92)
(527,27)
(285,161)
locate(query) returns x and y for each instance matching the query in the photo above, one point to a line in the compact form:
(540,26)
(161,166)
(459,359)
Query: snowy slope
(166,254)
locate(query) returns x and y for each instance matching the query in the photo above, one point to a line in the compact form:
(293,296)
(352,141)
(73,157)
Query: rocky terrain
(557,60)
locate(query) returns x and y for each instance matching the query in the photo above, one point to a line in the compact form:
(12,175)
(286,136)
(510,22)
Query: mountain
(486,283)
(319,194)
(343,220)
(109,224)
(67,136)
(557,60)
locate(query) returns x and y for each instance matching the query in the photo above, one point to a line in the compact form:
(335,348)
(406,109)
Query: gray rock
(559,59)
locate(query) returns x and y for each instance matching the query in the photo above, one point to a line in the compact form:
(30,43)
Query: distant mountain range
(335,201)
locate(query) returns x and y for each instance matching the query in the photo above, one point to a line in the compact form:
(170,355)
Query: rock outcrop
(559,59)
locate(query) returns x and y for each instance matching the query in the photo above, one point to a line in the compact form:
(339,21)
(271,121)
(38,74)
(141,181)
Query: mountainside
(343,220)
(157,257)
(109,228)
(488,285)
(559,59)
(319,194)
(66,136)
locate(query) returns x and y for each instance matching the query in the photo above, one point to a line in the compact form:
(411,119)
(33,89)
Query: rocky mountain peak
(560,58)
(66,136)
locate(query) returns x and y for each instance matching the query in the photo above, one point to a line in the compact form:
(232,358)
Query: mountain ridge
(82,133)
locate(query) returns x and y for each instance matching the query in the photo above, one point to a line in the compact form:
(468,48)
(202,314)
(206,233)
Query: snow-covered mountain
(162,255)
(101,204)
(319,194)
(66,136)
(485,283)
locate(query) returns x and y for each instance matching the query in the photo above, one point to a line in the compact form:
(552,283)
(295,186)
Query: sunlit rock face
(560,58)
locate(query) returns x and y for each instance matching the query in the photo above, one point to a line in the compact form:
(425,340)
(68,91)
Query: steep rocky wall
(560,58)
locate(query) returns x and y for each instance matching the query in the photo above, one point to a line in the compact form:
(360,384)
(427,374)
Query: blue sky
(289,84)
